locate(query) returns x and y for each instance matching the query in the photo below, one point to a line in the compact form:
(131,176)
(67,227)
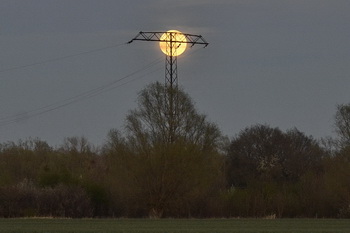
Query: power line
(60,58)
(82,96)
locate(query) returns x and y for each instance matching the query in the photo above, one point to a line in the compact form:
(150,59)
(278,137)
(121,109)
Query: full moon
(177,47)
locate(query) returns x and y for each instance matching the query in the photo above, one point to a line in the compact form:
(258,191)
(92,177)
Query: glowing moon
(176,48)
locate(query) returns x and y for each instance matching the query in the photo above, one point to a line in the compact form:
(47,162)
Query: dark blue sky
(282,63)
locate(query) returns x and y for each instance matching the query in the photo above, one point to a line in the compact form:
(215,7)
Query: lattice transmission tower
(172,43)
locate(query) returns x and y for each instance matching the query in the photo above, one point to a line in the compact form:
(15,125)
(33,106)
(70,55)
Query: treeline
(179,165)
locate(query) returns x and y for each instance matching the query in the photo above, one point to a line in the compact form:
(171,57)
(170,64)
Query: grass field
(174,225)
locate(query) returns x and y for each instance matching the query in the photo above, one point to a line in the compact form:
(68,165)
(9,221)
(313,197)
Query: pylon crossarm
(155,36)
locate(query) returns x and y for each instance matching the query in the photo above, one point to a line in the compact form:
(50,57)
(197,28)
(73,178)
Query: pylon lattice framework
(171,67)
(171,60)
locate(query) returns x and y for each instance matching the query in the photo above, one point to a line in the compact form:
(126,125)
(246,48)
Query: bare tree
(76,145)
(263,152)
(342,124)
(153,122)
(165,158)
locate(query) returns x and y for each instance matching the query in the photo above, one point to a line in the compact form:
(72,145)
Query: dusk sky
(65,69)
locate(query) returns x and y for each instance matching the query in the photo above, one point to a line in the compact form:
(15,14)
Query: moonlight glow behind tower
(172,43)
(177,47)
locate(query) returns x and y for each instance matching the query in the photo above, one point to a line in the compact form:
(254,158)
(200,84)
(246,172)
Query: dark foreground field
(173,225)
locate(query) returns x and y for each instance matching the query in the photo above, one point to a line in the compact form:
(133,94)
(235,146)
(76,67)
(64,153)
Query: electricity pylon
(173,41)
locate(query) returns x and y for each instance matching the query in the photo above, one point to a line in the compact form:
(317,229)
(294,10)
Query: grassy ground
(174,226)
